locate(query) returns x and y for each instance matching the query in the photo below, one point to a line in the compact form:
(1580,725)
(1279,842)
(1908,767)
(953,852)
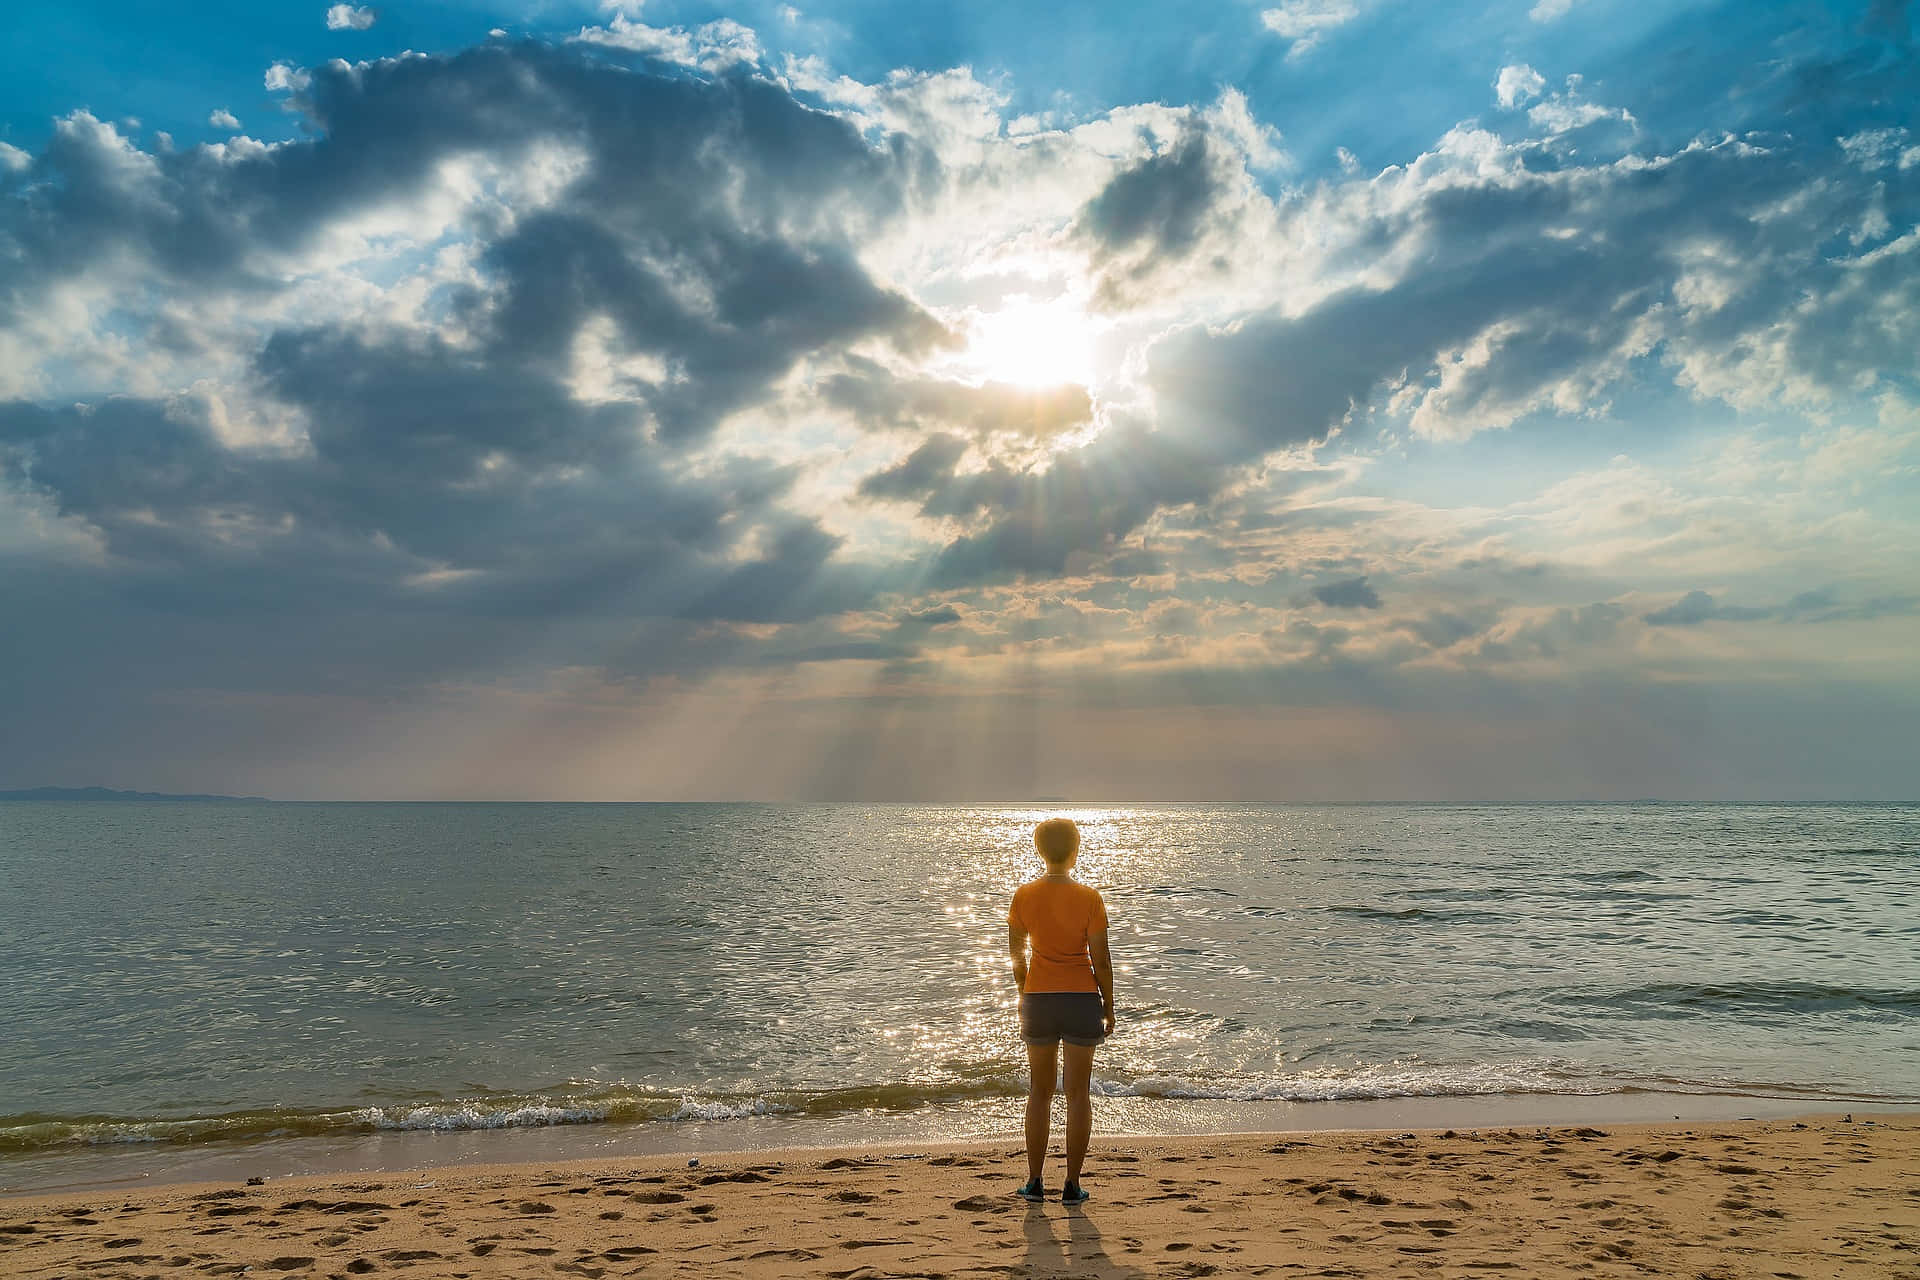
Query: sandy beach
(1817,1197)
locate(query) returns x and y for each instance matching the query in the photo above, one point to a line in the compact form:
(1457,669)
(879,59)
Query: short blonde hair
(1057,839)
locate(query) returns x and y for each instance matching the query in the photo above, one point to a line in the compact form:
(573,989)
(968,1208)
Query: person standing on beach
(1066,995)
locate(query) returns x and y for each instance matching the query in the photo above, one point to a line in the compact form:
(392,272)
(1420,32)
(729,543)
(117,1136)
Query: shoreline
(140,1166)
(1811,1196)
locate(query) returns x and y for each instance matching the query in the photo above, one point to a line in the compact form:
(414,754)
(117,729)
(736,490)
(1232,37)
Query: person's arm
(1017,948)
(1102,972)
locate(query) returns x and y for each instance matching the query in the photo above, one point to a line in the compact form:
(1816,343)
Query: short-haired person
(1066,995)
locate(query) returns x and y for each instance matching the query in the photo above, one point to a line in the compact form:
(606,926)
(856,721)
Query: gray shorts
(1048,1017)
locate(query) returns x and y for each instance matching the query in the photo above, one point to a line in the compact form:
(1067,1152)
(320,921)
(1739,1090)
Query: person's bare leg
(1078,1079)
(1042,1062)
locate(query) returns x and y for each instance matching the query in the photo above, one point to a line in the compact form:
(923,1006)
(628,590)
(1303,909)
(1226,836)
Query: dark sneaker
(1073,1193)
(1032,1191)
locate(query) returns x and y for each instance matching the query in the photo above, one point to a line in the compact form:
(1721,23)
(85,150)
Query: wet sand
(1816,1197)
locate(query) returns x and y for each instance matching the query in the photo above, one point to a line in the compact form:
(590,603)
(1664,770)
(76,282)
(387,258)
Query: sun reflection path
(1118,848)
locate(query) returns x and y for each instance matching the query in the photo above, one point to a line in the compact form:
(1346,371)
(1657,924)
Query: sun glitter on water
(1032,344)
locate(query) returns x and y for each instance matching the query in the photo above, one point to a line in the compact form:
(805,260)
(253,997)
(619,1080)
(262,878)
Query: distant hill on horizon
(108,794)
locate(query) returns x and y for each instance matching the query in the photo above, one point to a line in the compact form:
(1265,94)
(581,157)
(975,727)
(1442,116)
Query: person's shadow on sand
(1070,1245)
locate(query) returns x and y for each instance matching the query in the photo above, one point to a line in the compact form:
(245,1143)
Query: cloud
(920,473)
(1819,605)
(347,17)
(451,465)
(1152,216)
(1484,282)
(624,367)
(1348,593)
(1518,84)
(1307,22)
(1694,607)
(223,119)
(878,399)
(713,46)
(1162,202)
(284,77)
(1554,633)
(1551,10)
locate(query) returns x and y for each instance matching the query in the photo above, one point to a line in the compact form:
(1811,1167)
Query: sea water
(187,973)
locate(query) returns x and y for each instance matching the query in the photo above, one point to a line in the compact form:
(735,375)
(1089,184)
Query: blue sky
(1311,399)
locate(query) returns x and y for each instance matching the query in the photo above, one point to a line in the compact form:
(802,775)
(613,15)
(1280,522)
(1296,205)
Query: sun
(1031,344)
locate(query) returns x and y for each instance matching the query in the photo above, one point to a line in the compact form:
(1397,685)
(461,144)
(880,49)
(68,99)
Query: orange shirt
(1057,916)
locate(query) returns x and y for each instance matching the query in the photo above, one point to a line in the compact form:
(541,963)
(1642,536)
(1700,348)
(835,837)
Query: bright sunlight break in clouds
(1311,401)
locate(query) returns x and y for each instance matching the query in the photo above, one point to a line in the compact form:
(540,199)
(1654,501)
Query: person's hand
(1109,1019)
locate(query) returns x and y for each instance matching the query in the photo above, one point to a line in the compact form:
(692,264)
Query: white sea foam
(477,1116)
(695,1109)
(1384,1080)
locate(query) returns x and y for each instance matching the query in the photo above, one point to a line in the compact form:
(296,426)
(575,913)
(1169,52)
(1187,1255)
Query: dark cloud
(1348,593)
(1151,216)
(1819,605)
(939,616)
(1161,204)
(1693,607)
(1442,629)
(1070,516)
(1697,607)
(918,474)
(710,223)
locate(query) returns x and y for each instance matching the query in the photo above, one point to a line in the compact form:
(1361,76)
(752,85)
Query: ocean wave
(626,1105)
(33,1132)
(1369,1083)
(1743,999)
(1404,915)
